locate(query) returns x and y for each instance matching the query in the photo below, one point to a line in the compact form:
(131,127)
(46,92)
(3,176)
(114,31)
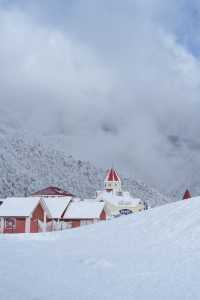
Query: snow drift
(152,255)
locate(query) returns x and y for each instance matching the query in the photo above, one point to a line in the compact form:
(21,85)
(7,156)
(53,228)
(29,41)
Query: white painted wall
(27,224)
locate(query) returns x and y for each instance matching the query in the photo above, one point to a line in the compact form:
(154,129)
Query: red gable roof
(52,191)
(187,195)
(112,175)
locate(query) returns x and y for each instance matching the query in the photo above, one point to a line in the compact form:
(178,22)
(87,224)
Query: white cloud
(113,79)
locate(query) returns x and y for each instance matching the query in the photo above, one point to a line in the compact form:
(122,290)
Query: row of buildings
(53,209)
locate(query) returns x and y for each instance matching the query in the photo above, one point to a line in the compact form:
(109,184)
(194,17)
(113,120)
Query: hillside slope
(152,255)
(28,165)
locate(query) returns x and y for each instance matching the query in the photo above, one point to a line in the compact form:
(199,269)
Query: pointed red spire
(112,175)
(112,181)
(187,195)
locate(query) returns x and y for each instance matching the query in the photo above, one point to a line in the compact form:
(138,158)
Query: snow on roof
(112,175)
(90,200)
(52,191)
(84,210)
(118,199)
(57,205)
(18,207)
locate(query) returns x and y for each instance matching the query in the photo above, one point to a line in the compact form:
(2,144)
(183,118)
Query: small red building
(20,215)
(52,191)
(187,195)
(83,212)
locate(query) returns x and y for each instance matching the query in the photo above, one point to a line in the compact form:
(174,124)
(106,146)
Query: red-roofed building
(187,195)
(20,215)
(112,181)
(52,191)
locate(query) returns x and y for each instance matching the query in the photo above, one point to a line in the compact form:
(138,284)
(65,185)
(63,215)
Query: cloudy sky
(117,81)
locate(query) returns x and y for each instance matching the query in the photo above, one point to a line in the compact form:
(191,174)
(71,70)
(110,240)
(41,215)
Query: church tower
(112,181)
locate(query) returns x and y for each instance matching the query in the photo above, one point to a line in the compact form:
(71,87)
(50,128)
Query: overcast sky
(117,80)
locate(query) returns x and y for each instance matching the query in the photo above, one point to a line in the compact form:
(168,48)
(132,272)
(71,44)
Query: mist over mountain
(27,165)
(106,82)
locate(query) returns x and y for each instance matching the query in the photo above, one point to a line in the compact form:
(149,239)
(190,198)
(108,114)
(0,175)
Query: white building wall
(113,185)
(1,225)
(28,224)
(113,210)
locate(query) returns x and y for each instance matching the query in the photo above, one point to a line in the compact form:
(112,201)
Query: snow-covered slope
(28,165)
(152,255)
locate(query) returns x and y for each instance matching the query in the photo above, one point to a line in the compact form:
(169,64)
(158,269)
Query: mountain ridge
(28,165)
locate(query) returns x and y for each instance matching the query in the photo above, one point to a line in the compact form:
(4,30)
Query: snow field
(154,254)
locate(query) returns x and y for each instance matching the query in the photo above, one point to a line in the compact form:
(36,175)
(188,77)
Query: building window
(10,223)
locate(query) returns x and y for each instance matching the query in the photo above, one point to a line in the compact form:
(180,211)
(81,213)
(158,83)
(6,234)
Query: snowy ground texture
(152,255)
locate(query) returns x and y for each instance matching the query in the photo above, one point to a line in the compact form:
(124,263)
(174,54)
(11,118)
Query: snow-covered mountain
(150,255)
(135,109)
(27,165)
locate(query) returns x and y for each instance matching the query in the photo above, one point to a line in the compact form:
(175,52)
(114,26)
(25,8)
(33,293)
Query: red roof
(112,175)
(52,191)
(187,195)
